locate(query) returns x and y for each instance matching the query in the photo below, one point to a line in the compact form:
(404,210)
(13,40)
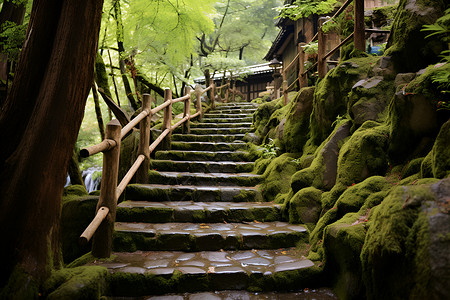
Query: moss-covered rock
(405,254)
(414,117)
(369,98)
(305,206)
(322,172)
(441,153)
(277,176)
(77,283)
(331,94)
(407,44)
(295,133)
(76,214)
(262,115)
(364,154)
(342,242)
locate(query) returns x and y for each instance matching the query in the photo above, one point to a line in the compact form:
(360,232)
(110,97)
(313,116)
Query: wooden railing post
(212,96)
(227,92)
(302,79)
(144,140)
(322,41)
(198,93)
(167,122)
(359,29)
(102,239)
(285,87)
(187,111)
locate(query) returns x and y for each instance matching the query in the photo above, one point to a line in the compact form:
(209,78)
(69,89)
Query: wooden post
(227,92)
(302,79)
(198,93)
(167,122)
(285,87)
(359,33)
(322,40)
(102,240)
(187,111)
(144,140)
(212,96)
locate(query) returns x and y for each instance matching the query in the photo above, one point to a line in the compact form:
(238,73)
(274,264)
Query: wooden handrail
(110,191)
(357,35)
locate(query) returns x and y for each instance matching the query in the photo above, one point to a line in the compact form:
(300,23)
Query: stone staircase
(201,225)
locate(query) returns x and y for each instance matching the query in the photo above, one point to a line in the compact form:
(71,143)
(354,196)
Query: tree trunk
(74,170)
(40,121)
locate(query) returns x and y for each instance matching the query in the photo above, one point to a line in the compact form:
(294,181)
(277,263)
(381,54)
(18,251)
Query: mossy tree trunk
(40,121)
(98,112)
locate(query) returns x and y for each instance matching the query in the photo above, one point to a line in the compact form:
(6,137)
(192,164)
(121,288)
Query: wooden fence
(358,36)
(102,226)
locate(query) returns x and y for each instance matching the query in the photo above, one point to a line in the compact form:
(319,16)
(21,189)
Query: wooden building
(257,80)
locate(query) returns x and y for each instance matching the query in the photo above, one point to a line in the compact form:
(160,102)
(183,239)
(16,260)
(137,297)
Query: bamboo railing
(358,36)
(101,229)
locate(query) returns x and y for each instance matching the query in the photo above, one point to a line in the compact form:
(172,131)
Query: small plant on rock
(269,150)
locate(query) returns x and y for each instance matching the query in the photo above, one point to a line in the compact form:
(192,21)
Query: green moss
(364,154)
(277,176)
(262,115)
(441,153)
(391,244)
(342,242)
(75,190)
(305,206)
(77,283)
(76,214)
(20,286)
(407,45)
(412,167)
(331,94)
(296,128)
(426,168)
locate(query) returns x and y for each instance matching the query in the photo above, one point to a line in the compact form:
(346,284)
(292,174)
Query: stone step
(208,137)
(227,120)
(222,130)
(215,114)
(322,293)
(178,155)
(209,146)
(197,212)
(204,179)
(202,166)
(236,105)
(221,125)
(140,273)
(206,236)
(248,111)
(156,192)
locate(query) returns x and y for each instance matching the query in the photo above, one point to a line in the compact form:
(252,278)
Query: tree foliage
(304,8)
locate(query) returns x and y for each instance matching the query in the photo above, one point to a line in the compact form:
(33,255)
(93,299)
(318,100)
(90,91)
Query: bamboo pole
(102,240)
(167,123)
(158,140)
(127,178)
(359,29)
(144,140)
(187,111)
(90,230)
(105,145)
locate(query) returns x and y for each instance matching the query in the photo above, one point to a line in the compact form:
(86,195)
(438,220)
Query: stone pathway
(201,225)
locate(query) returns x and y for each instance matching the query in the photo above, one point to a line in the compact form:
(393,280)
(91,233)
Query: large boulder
(405,253)
(296,127)
(407,44)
